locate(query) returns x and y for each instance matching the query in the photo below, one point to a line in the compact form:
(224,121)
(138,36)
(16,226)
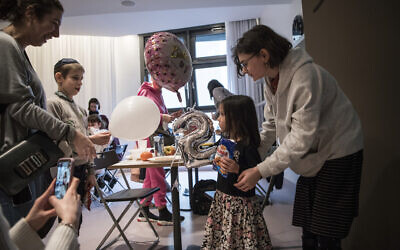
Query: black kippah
(63,62)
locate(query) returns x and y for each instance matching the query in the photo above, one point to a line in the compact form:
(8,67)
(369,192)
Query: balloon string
(179,96)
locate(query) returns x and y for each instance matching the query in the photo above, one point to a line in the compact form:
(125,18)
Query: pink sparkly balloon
(168,61)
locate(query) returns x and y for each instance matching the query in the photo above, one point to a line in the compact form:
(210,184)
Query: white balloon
(134,118)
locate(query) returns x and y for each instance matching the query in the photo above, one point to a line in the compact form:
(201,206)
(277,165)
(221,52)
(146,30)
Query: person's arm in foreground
(23,234)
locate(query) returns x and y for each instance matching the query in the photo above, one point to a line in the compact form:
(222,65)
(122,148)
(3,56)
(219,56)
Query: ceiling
(110,18)
(95,7)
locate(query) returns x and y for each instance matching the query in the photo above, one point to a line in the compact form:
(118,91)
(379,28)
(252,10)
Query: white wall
(280,17)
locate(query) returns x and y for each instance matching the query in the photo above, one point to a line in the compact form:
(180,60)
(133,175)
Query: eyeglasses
(244,63)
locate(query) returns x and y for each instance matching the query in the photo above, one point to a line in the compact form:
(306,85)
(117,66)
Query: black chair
(131,195)
(120,151)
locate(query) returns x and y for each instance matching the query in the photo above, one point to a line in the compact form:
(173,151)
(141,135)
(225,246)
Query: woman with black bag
(23,101)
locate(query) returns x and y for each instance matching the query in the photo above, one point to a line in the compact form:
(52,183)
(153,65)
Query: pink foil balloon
(168,61)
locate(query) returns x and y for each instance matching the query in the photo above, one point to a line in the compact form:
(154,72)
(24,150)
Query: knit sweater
(71,113)
(309,116)
(22,236)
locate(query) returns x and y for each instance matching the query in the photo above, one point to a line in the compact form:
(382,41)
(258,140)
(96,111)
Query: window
(207,46)
(202,77)
(210,45)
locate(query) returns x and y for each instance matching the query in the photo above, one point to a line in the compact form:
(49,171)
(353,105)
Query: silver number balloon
(200,129)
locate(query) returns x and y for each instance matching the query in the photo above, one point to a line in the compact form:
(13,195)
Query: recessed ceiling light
(127,3)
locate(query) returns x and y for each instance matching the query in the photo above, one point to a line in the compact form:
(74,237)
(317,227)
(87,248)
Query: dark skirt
(235,223)
(327,203)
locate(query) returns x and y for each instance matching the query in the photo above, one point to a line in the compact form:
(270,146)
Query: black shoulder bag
(26,160)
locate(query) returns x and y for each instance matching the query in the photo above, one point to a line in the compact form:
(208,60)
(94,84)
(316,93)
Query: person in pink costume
(155,177)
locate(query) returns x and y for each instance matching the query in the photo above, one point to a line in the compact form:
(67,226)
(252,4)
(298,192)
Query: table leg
(175,209)
(190,179)
(196,175)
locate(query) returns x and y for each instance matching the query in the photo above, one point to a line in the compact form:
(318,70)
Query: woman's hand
(41,210)
(84,147)
(229,165)
(167,118)
(69,207)
(100,138)
(248,179)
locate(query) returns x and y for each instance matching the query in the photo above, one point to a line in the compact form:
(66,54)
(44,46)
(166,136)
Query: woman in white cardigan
(317,130)
(23,235)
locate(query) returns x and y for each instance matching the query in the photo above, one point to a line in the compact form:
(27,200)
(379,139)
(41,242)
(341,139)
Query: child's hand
(100,138)
(84,146)
(167,118)
(229,165)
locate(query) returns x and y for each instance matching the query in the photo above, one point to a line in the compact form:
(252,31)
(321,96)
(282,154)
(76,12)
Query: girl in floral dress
(235,219)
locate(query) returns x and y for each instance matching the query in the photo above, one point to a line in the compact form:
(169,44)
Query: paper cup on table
(142,144)
(135,153)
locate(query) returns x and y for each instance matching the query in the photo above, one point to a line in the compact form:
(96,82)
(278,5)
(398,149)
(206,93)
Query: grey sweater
(309,116)
(71,113)
(22,91)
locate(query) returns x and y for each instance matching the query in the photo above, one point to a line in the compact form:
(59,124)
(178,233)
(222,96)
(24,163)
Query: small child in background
(115,141)
(68,74)
(218,93)
(235,219)
(95,124)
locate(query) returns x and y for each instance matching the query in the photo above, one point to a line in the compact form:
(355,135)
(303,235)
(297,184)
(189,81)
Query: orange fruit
(145,156)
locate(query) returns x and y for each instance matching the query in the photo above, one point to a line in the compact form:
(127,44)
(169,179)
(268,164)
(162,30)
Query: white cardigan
(22,236)
(309,116)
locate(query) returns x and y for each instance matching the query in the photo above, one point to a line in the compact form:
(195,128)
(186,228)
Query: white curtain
(99,56)
(112,67)
(96,54)
(244,85)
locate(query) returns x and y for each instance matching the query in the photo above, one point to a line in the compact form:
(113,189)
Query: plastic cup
(142,144)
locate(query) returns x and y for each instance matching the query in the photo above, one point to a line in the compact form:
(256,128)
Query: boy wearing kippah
(68,74)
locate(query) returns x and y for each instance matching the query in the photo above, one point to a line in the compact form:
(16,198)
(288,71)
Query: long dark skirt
(327,203)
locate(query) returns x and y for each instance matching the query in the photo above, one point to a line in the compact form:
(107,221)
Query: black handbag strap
(3,125)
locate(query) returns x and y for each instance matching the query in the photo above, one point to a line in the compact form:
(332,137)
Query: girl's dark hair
(261,37)
(212,85)
(93,100)
(65,65)
(95,118)
(14,10)
(241,119)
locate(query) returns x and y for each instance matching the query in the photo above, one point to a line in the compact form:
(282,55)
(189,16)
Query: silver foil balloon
(200,129)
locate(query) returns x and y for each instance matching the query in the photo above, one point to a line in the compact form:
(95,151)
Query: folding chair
(131,195)
(120,149)
(106,157)
(266,201)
